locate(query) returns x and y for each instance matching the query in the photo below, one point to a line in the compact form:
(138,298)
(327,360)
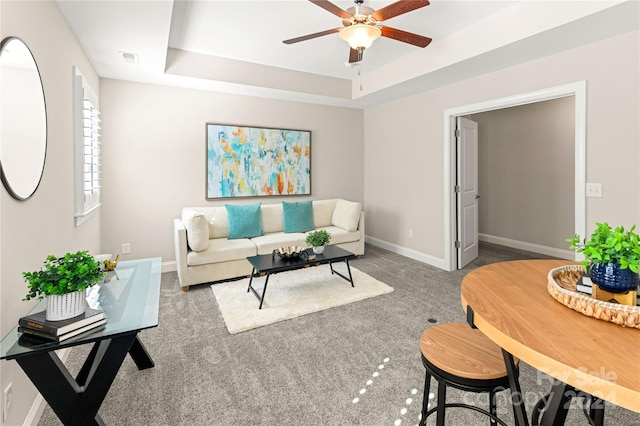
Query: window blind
(87,149)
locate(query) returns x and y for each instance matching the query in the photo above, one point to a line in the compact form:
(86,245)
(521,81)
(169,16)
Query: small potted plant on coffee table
(612,257)
(63,280)
(318,239)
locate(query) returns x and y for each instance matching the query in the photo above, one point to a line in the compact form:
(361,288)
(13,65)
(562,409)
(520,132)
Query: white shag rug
(292,294)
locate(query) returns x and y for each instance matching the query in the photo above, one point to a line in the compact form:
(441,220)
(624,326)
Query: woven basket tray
(562,287)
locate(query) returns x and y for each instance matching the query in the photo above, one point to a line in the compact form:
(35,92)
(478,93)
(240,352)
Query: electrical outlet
(594,190)
(126,248)
(410,233)
(7,401)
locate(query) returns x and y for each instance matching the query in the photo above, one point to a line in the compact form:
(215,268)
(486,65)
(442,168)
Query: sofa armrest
(360,250)
(361,225)
(181,250)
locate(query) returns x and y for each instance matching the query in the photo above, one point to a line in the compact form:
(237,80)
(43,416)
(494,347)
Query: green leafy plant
(72,272)
(318,238)
(609,245)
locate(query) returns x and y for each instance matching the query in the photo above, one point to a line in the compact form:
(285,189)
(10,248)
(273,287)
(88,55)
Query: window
(86,134)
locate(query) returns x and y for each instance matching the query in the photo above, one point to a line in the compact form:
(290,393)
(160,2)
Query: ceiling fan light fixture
(360,36)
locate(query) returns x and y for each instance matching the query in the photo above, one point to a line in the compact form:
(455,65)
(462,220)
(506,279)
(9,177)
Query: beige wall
(404,141)
(390,156)
(43,224)
(154,156)
(526,172)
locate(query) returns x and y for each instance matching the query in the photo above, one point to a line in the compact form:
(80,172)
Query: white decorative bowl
(290,252)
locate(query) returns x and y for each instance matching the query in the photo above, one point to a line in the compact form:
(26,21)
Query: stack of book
(57,331)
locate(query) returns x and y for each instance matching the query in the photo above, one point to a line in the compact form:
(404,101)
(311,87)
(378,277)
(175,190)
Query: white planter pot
(65,306)
(318,250)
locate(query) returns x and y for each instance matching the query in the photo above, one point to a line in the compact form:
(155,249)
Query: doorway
(577,90)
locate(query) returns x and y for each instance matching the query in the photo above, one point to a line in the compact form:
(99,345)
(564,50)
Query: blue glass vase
(611,278)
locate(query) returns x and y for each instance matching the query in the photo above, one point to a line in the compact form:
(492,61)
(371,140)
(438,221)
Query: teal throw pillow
(245,221)
(298,216)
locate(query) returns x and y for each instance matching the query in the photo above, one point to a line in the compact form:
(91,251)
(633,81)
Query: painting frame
(248,162)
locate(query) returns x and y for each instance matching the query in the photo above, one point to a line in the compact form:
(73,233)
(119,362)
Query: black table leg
(253,272)
(264,289)
(517,401)
(137,351)
(140,355)
(333,271)
(596,410)
(557,406)
(553,408)
(73,403)
(83,374)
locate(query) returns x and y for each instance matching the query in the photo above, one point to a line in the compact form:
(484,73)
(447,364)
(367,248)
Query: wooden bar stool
(461,357)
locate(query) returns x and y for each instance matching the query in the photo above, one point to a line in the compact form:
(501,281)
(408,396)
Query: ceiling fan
(361,25)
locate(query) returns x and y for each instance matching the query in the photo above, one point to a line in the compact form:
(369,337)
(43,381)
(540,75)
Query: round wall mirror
(23,120)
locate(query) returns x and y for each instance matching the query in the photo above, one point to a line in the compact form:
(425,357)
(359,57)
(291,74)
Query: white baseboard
(437,262)
(407,252)
(521,245)
(169,266)
(34,414)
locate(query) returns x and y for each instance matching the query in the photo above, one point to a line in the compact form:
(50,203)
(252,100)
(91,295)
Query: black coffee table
(272,263)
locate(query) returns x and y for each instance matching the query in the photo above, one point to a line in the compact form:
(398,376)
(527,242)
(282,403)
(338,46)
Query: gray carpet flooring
(357,364)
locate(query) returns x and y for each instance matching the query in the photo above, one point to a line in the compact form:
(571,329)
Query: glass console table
(130,297)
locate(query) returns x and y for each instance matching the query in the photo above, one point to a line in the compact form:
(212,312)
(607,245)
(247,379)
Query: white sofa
(205,254)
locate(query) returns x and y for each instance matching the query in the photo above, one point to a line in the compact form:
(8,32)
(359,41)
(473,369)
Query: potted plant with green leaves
(63,280)
(612,256)
(318,239)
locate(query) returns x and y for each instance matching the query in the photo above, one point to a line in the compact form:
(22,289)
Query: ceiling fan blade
(404,36)
(355,55)
(310,36)
(398,8)
(330,7)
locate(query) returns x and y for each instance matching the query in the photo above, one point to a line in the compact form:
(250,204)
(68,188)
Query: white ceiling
(253,31)
(236,46)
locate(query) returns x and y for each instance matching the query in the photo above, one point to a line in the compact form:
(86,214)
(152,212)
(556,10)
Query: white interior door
(467,190)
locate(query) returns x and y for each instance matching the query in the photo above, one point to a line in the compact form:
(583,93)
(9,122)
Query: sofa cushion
(245,221)
(340,235)
(222,250)
(346,215)
(272,220)
(197,228)
(267,243)
(218,223)
(298,216)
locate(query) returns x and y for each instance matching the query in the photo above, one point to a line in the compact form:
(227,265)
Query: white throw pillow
(346,215)
(323,212)
(197,230)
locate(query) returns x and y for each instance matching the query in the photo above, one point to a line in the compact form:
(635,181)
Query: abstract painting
(255,162)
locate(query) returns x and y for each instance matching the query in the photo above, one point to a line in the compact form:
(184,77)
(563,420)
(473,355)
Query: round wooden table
(512,307)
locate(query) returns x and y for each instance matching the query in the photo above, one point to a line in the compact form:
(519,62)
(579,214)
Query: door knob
(477,196)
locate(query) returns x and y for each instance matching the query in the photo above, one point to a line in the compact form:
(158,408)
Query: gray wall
(154,156)
(44,224)
(404,142)
(526,172)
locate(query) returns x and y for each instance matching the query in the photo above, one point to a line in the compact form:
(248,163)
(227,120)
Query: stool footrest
(467,406)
